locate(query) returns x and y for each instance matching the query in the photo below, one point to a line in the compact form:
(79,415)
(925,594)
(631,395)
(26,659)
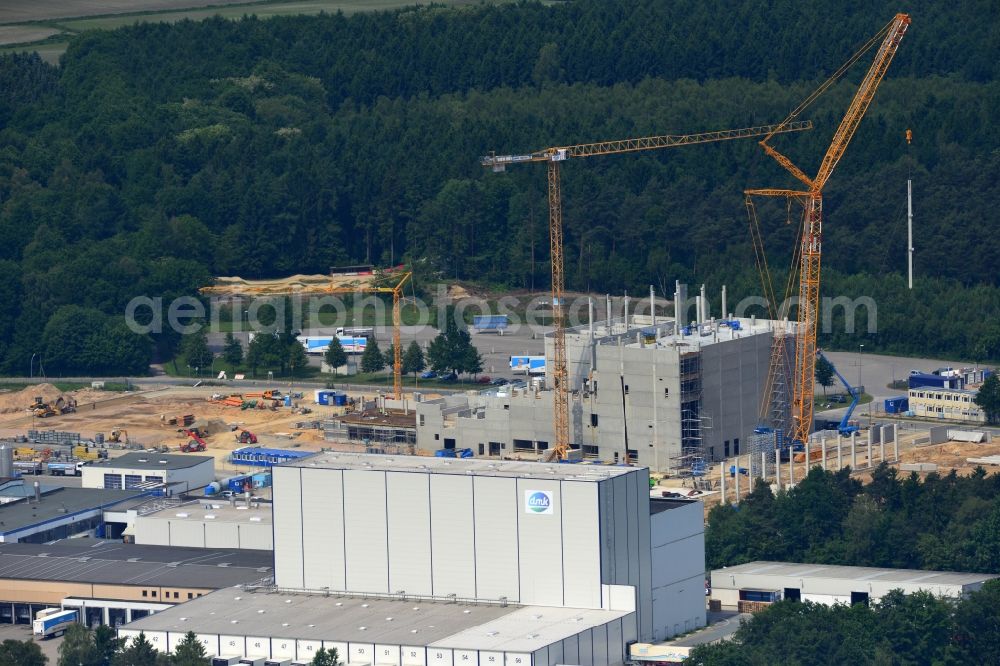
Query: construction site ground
(145,415)
(913,448)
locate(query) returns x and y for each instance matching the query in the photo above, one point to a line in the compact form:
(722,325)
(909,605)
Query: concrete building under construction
(644,390)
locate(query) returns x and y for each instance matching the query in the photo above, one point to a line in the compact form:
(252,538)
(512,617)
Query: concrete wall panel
(540,544)
(409,521)
(323,529)
(366,531)
(453,543)
(497,569)
(287,516)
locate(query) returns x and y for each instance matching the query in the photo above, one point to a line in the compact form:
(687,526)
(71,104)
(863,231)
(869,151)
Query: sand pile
(19,401)
(211,426)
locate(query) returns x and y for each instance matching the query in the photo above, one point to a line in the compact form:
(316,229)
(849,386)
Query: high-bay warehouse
(417,561)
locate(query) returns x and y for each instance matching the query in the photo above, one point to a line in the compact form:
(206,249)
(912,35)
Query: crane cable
(830,81)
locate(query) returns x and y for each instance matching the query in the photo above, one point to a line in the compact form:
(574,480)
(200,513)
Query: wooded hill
(161,154)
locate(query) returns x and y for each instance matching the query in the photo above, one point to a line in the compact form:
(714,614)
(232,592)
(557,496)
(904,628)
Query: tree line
(159,155)
(899,629)
(943,523)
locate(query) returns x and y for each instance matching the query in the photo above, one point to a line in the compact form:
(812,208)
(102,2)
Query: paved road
(22,632)
(877,371)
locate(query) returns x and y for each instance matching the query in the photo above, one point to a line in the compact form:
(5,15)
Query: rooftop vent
(181,515)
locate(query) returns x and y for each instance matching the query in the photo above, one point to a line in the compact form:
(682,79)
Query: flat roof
(471,466)
(115,563)
(710,333)
(864,574)
(58,503)
(218,510)
(660,504)
(383,621)
(149,460)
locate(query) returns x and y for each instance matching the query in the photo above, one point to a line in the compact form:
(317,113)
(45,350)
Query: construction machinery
(197,441)
(41,409)
(244,436)
(553,157)
(65,405)
(119,436)
(846,426)
(797,422)
(83,452)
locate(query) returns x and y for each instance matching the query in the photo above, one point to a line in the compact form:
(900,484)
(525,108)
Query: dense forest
(158,155)
(944,523)
(897,631)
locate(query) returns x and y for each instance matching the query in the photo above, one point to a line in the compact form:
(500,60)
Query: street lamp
(31,366)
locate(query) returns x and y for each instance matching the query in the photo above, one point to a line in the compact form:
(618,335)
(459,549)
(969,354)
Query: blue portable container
(340,399)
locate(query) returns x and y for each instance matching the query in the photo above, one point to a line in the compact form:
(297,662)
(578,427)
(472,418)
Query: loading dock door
(859,598)
(792,594)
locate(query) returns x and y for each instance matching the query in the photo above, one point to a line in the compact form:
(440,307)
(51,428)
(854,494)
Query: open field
(27,25)
(22,34)
(22,11)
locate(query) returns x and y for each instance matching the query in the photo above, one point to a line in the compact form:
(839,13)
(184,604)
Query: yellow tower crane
(553,157)
(811,241)
(397,353)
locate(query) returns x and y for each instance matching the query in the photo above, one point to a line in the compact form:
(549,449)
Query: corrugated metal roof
(149,460)
(381,621)
(123,564)
(832,572)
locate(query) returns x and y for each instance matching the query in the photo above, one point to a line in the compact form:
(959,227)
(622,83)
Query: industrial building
(177,473)
(645,391)
(114,583)
(953,404)
(413,560)
(210,523)
(749,586)
(36,513)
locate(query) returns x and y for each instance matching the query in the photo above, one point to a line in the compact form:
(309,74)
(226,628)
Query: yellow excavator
(119,436)
(41,409)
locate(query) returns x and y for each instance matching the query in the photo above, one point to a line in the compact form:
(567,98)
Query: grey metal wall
(465,535)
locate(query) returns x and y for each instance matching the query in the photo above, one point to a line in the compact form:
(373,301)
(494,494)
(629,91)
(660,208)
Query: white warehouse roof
(828,578)
(469,466)
(382,621)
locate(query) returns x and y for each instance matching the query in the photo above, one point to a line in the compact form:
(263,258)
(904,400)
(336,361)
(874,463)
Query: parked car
(500,381)
(430,374)
(448,377)
(838,398)
(483,379)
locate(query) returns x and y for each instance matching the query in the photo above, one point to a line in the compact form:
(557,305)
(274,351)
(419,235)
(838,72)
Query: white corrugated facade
(465,535)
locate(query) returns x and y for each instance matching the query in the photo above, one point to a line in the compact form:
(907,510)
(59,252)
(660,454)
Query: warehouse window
(190,595)
(626,389)
(593,420)
(421,419)
(666,393)
(154,593)
(726,448)
(176,595)
(437,436)
(736,446)
(145,593)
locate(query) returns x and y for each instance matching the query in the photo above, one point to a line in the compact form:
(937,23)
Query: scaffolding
(763,443)
(373,431)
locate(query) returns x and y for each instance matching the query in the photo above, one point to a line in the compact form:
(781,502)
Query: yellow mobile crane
(554,157)
(809,248)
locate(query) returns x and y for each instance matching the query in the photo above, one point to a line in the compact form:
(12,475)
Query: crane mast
(553,157)
(811,241)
